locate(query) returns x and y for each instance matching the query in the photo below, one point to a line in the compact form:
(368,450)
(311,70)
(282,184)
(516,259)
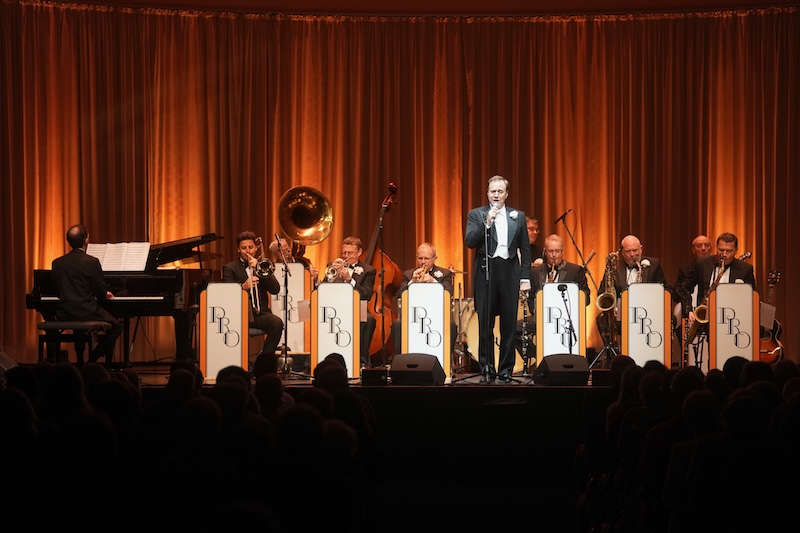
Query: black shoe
(484,379)
(503,378)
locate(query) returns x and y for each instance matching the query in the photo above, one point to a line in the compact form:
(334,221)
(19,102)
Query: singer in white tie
(499,232)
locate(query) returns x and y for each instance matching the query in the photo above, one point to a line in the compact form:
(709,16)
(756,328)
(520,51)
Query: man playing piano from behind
(81,290)
(256,282)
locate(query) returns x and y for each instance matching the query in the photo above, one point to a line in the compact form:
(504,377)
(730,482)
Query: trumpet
(332,271)
(419,274)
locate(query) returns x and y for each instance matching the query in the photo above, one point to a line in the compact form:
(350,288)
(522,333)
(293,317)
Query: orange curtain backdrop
(159,124)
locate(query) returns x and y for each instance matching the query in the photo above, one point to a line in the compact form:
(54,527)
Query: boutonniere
(437,274)
(513,214)
(358,270)
(645,263)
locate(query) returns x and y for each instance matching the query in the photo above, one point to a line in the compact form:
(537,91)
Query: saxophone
(701,311)
(608,299)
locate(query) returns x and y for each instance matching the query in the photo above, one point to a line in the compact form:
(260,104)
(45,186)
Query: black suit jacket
(652,274)
(365,280)
(81,286)
(567,272)
(234,272)
(517,240)
(536,252)
(442,275)
(704,269)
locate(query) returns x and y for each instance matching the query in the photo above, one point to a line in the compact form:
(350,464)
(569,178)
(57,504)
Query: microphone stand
(608,343)
(562,288)
(286,368)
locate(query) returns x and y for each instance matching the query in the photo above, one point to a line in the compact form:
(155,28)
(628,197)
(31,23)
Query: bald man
(554,270)
(426,271)
(687,288)
(632,267)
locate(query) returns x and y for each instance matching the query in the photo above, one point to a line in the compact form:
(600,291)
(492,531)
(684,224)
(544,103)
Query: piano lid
(167,252)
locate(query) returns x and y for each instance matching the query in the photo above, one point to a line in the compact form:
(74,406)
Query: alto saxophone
(701,311)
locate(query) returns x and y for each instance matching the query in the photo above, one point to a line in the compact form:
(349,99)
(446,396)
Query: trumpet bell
(305,215)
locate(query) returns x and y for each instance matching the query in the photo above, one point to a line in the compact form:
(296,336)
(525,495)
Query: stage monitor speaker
(562,369)
(416,369)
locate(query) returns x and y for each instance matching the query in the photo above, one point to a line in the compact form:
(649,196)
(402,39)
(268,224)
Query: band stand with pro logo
(296,317)
(560,320)
(647,323)
(336,311)
(223,328)
(425,322)
(733,324)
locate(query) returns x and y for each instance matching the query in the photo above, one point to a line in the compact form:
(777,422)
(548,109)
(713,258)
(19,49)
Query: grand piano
(152,292)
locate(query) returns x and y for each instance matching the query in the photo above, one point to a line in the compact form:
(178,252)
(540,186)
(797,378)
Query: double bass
(393,276)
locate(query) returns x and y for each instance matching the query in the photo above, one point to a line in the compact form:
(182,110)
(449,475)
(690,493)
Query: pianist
(256,282)
(81,288)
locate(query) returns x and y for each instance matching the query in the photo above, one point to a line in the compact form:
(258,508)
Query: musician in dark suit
(685,284)
(707,269)
(426,272)
(554,270)
(256,282)
(509,253)
(537,253)
(632,267)
(81,290)
(349,269)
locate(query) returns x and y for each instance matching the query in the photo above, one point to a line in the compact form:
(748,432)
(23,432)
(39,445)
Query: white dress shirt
(501,231)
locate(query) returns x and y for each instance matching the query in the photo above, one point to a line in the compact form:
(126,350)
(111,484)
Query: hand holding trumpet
(421,275)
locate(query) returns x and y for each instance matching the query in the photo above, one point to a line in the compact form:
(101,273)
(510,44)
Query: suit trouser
(367,330)
(272,326)
(499,298)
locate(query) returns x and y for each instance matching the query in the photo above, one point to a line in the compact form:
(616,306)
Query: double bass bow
(387,282)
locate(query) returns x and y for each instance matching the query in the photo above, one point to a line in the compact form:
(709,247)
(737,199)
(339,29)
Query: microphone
(563,215)
(561,287)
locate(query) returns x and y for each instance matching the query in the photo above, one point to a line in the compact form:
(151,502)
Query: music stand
(286,370)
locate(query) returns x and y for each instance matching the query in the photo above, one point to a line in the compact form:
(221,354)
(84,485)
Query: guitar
(770,346)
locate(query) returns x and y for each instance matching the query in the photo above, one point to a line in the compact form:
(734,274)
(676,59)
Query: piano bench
(83,331)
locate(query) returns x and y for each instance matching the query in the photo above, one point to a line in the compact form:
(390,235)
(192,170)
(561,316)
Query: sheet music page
(120,256)
(96,250)
(115,256)
(136,256)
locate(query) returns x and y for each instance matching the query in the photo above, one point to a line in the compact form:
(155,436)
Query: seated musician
(554,269)
(257,282)
(82,289)
(632,267)
(290,258)
(707,270)
(426,272)
(361,276)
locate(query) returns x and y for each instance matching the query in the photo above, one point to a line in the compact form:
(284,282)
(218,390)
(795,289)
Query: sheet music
(120,256)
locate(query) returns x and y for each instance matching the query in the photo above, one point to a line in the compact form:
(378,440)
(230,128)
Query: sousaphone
(305,215)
